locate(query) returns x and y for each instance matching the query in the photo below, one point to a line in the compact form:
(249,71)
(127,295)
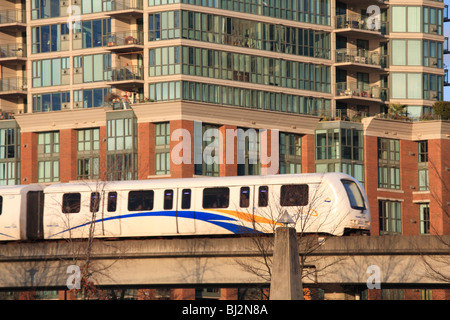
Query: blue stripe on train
(212,218)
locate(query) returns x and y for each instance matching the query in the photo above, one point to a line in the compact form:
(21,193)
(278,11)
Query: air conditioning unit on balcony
(78,70)
(432,62)
(65,106)
(433,95)
(433,28)
(65,71)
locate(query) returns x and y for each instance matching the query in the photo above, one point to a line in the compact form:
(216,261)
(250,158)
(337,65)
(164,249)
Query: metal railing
(370,92)
(13,50)
(361,56)
(13,84)
(360,22)
(117,5)
(12,16)
(125,38)
(125,73)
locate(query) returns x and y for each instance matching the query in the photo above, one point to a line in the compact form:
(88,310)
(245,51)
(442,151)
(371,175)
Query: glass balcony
(351,90)
(12,17)
(127,73)
(123,40)
(13,85)
(360,56)
(14,50)
(122,6)
(359,22)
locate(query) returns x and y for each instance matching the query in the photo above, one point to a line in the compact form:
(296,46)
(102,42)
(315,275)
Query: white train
(330,203)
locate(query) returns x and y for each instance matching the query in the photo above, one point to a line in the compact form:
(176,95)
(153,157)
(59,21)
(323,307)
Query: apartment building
(96,89)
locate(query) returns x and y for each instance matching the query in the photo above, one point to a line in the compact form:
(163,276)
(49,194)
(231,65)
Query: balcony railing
(118,5)
(367,92)
(361,56)
(357,21)
(13,50)
(125,73)
(13,85)
(6,115)
(12,16)
(125,38)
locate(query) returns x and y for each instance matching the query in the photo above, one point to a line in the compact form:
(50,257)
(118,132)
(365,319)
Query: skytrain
(319,203)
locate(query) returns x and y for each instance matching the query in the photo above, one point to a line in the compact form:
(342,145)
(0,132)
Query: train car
(21,212)
(329,203)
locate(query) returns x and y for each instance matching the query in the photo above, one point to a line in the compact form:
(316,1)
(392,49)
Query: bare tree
(310,214)
(439,197)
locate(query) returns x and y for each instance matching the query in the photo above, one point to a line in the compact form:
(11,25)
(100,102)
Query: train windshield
(354,195)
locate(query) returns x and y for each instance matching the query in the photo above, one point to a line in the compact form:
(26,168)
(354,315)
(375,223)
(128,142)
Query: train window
(140,200)
(354,195)
(71,202)
(168,199)
(216,198)
(112,201)
(186,199)
(1,204)
(294,195)
(263,196)
(95,202)
(244,200)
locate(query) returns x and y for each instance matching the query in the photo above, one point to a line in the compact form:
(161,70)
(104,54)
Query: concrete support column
(286,281)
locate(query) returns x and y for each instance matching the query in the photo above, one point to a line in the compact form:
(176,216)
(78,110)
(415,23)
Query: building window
(424,218)
(93,32)
(390,217)
(248,146)
(406,19)
(88,146)
(45,9)
(301,11)
(290,153)
(388,163)
(90,98)
(422,165)
(340,150)
(9,156)
(92,68)
(210,164)
(162,148)
(251,34)
(54,101)
(122,161)
(48,156)
(50,38)
(50,72)
(433,20)
(407,86)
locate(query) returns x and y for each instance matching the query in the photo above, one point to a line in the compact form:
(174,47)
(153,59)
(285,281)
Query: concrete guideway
(222,261)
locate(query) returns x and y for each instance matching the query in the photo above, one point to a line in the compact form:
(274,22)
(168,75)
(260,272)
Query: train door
(264,213)
(35,214)
(110,214)
(185,211)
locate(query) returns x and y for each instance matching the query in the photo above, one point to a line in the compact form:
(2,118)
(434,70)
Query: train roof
(18,189)
(192,182)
